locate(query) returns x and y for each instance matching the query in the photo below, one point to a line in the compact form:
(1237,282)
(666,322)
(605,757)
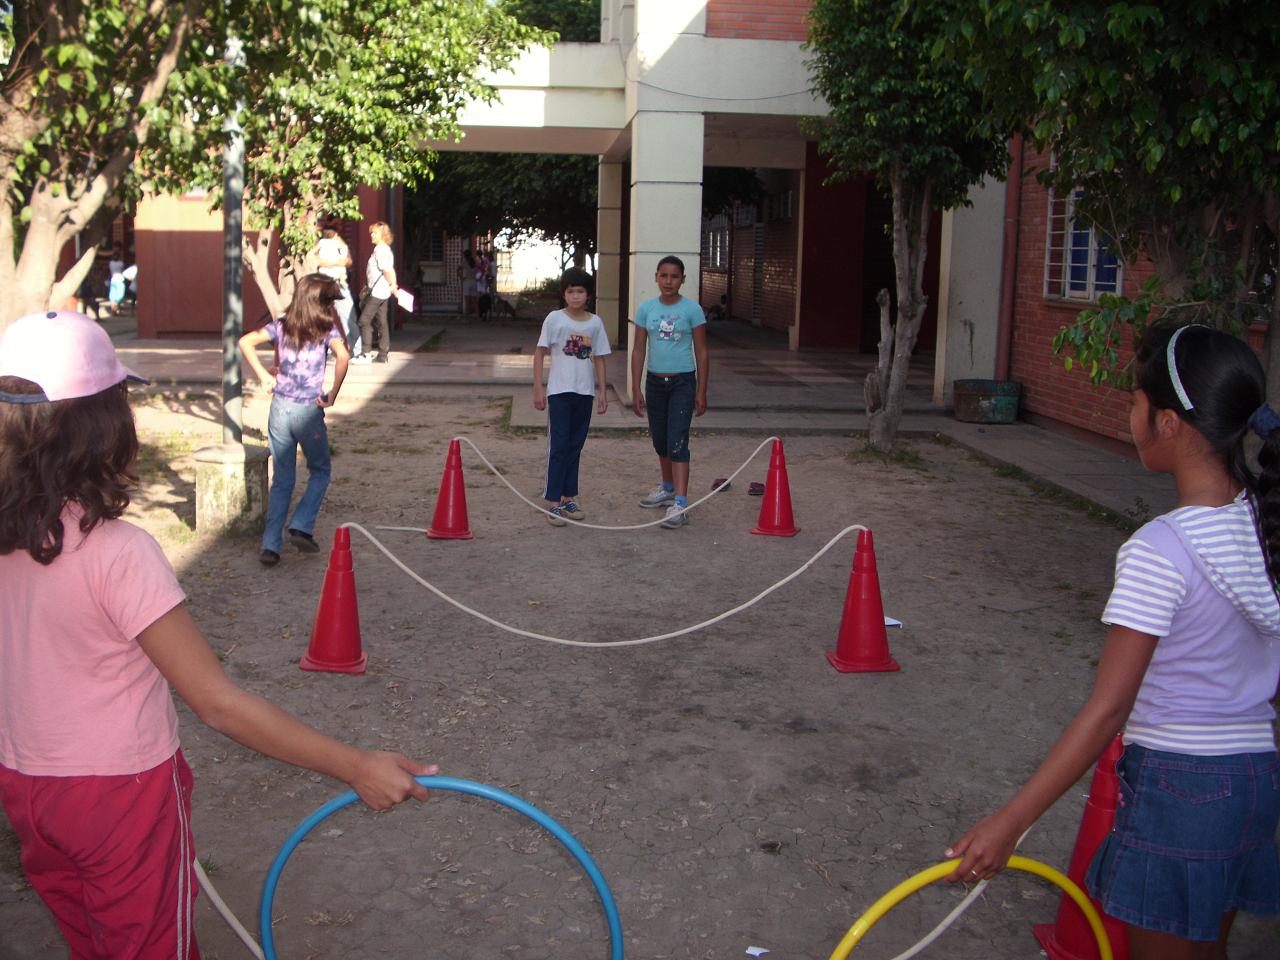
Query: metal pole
(232,262)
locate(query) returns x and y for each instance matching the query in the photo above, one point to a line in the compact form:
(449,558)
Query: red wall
(752,20)
(1048,389)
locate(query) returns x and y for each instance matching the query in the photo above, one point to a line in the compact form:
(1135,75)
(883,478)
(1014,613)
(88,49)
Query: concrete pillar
(231,488)
(666,202)
(970,254)
(609,248)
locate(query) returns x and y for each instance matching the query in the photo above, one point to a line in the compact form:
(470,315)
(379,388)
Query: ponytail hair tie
(1264,421)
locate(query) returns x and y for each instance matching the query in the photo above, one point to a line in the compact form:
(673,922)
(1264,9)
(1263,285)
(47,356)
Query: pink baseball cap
(66,354)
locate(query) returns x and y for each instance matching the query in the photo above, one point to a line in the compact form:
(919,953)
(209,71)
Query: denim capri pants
(1194,838)
(669,400)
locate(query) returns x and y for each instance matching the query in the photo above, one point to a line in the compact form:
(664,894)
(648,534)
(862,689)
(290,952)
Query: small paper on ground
(756,951)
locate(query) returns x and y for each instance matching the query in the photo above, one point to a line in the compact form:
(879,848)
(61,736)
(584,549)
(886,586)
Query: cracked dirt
(733,788)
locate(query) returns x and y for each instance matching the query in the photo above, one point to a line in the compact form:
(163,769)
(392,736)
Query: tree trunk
(257,261)
(911,212)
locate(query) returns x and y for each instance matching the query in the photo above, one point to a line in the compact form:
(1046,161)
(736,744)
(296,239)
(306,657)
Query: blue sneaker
(659,498)
(572,511)
(555,516)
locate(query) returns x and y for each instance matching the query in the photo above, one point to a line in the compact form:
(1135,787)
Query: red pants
(112,857)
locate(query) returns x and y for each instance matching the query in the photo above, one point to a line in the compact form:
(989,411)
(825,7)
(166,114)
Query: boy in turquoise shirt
(672,331)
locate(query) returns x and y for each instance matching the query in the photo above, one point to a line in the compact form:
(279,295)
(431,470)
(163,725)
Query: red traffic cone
(1069,937)
(775,511)
(863,643)
(335,638)
(450,520)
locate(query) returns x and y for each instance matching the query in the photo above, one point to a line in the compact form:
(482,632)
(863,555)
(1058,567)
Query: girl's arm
(703,361)
(986,848)
(602,385)
(180,652)
(638,347)
(539,391)
(248,349)
(341,358)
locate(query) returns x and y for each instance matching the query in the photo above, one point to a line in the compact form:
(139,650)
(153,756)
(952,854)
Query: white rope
(596,526)
(954,915)
(220,905)
(605,643)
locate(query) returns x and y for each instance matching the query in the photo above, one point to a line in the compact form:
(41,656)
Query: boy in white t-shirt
(577,342)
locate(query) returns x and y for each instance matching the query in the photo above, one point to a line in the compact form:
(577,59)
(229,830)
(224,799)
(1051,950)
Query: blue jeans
(294,424)
(668,397)
(569,419)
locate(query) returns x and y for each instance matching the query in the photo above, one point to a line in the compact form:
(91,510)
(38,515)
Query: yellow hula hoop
(933,874)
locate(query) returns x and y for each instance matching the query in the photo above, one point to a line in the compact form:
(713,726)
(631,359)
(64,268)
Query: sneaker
(305,542)
(362,358)
(676,517)
(268,558)
(555,516)
(658,498)
(572,511)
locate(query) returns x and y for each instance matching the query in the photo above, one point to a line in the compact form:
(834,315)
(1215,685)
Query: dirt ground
(734,789)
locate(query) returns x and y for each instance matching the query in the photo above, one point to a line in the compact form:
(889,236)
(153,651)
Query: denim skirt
(1194,838)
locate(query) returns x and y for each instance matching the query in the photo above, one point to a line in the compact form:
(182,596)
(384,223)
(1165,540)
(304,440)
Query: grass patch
(157,453)
(1052,494)
(433,343)
(900,456)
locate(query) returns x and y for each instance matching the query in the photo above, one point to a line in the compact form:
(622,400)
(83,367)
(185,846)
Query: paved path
(758,386)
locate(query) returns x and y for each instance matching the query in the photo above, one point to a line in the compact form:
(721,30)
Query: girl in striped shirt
(1189,669)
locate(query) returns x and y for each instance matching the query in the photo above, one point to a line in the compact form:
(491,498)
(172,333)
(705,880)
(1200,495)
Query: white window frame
(1063,234)
(715,243)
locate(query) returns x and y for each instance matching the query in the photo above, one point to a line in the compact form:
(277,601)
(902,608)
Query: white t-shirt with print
(572,345)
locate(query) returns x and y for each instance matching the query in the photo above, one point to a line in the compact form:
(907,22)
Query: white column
(609,247)
(666,201)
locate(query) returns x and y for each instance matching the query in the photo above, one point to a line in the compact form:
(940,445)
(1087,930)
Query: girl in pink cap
(93,632)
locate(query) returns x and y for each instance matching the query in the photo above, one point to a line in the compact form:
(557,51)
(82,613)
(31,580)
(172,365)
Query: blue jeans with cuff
(568,420)
(668,397)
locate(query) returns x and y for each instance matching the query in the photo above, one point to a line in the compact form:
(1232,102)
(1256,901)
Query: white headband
(1172,360)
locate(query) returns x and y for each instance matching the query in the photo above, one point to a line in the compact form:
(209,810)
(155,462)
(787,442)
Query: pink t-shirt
(78,697)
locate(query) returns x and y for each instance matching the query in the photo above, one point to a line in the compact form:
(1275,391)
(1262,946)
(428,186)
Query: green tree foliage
(549,196)
(1168,117)
(909,121)
(573,21)
(104,98)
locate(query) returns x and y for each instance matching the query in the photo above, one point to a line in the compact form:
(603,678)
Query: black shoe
(268,558)
(380,358)
(305,542)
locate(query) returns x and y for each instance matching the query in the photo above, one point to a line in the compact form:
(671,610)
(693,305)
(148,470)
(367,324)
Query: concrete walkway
(757,386)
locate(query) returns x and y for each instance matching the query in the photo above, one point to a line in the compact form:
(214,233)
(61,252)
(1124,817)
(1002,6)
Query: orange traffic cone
(775,511)
(1069,936)
(863,644)
(335,638)
(450,520)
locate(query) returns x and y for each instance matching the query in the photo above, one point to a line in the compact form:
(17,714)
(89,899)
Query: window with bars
(1078,265)
(433,245)
(715,243)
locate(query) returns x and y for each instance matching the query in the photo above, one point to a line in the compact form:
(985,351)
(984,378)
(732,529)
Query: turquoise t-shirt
(670,331)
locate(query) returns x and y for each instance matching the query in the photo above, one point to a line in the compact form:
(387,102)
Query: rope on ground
(606,643)
(596,526)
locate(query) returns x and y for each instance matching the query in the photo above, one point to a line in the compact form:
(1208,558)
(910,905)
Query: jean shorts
(1194,838)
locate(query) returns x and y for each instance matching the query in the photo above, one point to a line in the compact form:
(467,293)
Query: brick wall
(753,20)
(715,284)
(778,289)
(1048,389)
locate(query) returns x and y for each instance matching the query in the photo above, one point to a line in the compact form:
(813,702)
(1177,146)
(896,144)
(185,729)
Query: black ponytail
(1214,382)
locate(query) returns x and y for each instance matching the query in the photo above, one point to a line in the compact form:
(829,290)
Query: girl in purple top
(1190,665)
(303,338)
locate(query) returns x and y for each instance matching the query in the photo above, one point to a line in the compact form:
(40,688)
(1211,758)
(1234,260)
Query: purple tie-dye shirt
(301,376)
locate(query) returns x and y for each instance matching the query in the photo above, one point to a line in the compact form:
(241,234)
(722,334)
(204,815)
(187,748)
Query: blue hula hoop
(459,786)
